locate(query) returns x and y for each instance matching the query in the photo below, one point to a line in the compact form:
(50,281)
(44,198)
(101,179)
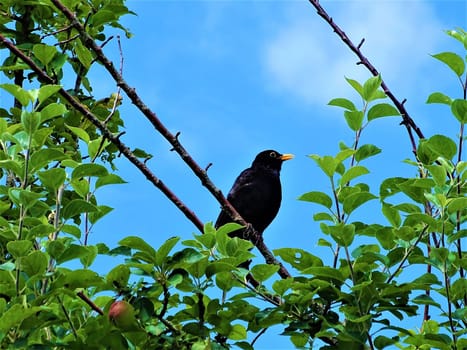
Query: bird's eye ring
(273,155)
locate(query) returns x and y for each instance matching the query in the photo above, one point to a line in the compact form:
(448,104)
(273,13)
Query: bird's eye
(273,155)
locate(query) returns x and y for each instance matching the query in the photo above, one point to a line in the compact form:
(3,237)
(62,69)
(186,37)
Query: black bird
(256,193)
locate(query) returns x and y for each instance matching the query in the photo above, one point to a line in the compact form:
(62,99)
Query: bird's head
(271,159)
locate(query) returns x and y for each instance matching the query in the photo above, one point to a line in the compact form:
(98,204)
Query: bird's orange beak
(287,156)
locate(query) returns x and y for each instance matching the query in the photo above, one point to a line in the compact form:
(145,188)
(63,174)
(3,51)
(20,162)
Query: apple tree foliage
(189,293)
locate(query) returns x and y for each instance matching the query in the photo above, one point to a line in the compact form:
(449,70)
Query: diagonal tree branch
(407,121)
(43,77)
(171,138)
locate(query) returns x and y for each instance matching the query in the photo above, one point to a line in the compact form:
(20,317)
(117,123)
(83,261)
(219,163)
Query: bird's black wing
(242,184)
(256,197)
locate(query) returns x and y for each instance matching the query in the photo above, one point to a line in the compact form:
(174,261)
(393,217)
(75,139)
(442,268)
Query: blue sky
(237,77)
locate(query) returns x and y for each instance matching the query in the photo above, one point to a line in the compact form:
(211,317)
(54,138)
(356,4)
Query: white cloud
(307,60)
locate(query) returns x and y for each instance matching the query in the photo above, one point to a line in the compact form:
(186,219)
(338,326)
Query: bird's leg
(248,232)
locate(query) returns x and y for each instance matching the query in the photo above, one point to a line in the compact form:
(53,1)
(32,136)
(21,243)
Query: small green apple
(122,315)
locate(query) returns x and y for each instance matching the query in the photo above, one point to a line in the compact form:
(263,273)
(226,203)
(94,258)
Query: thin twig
(257,337)
(88,301)
(407,254)
(67,316)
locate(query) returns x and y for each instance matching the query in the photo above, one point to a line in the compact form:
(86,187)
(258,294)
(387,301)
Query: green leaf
(323,217)
(72,252)
(228,228)
(344,103)
(342,234)
(353,173)
(324,243)
(207,240)
(12,165)
(442,146)
(355,200)
(262,272)
(225,281)
(96,146)
(299,340)
(81,133)
(44,157)
(385,237)
(118,277)
(111,179)
(298,258)
(72,230)
(282,285)
(370,88)
(382,341)
(23,96)
(327,163)
(366,151)
(424,299)
(438,173)
(139,153)
(102,210)
(453,61)
(84,55)
(356,85)
(382,110)
(438,97)
(51,111)
(81,187)
(138,243)
(80,278)
(459,109)
(216,267)
(317,197)
(52,178)
(354,119)
(15,315)
(459,34)
(391,214)
(457,204)
(91,254)
(19,248)
(198,268)
(163,252)
(102,17)
(238,332)
(26,198)
(90,169)
(459,290)
(30,121)
(76,207)
(35,263)
(44,53)
(46,91)
(344,154)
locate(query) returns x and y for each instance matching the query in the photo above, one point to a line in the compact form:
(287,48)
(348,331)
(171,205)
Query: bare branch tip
(361,43)
(207,167)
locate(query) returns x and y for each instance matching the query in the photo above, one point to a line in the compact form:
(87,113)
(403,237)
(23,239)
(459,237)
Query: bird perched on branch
(256,193)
